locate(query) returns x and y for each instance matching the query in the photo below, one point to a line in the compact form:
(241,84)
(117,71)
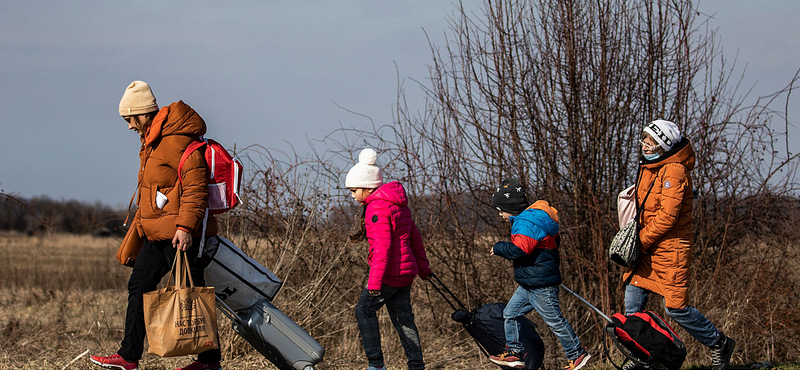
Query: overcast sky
(259,72)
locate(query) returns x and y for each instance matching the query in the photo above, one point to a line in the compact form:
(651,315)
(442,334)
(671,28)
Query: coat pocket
(173,199)
(161,200)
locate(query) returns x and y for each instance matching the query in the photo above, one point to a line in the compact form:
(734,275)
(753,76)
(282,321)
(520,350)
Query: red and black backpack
(645,338)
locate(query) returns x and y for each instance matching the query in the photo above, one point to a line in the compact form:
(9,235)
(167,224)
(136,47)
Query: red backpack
(646,339)
(224,175)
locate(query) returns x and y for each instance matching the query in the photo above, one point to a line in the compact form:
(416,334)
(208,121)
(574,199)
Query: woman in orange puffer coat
(664,184)
(169,215)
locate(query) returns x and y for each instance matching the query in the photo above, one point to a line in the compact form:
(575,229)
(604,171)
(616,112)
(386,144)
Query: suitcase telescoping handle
(588,304)
(439,286)
(461,314)
(608,332)
(227,311)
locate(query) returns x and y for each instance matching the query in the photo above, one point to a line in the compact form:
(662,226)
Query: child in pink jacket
(396,256)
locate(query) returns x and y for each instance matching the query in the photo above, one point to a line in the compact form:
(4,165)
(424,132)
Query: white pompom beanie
(365,174)
(665,133)
(137,99)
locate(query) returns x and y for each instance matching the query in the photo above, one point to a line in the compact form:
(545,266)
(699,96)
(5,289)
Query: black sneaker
(721,353)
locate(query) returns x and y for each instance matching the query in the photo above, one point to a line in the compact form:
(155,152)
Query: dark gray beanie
(510,197)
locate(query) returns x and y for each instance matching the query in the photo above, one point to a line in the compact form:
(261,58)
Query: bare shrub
(556,93)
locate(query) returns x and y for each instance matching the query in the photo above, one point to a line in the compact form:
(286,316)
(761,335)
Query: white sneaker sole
(109,366)
(514,364)
(583,362)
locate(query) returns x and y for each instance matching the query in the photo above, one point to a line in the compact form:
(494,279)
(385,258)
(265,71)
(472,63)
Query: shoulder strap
(637,218)
(142,164)
(640,208)
(194,145)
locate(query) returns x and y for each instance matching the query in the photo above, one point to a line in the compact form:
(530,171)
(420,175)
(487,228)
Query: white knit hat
(137,99)
(665,133)
(365,174)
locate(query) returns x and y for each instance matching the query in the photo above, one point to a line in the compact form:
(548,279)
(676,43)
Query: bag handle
(180,268)
(608,332)
(227,311)
(441,288)
(587,303)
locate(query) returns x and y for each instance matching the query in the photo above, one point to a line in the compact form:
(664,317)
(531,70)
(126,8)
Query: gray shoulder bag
(625,247)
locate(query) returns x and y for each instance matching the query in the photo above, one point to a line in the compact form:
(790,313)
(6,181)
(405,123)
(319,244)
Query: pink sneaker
(115,361)
(197,365)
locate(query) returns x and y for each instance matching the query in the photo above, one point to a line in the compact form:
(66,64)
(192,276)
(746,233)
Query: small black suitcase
(275,335)
(486,325)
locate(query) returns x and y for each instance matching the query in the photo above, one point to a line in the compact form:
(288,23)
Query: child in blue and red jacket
(396,256)
(534,251)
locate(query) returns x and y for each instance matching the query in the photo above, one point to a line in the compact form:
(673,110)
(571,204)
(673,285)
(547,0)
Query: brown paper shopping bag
(180,319)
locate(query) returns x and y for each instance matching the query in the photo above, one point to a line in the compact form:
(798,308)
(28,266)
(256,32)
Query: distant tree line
(42,214)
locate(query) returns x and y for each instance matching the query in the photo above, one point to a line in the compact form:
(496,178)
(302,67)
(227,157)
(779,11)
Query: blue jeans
(398,304)
(545,302)
(689,318)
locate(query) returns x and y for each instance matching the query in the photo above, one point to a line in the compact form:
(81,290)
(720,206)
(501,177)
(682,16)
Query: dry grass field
(61,295)
(64,295)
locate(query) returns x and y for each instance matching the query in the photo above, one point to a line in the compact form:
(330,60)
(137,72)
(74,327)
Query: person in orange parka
(664,183)
(169,215)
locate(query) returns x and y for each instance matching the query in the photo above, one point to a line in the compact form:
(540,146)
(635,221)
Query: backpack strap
(203,235)
(194,145)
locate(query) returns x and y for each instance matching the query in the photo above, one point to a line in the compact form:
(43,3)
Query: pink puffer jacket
(396,251)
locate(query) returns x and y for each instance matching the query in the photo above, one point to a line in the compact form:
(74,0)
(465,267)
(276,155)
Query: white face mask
(651,157)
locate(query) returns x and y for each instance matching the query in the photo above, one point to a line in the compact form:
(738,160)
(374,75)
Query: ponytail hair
(359,230)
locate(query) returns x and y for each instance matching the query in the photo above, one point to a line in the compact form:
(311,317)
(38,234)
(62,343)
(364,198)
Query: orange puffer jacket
(173,128)
(666,233)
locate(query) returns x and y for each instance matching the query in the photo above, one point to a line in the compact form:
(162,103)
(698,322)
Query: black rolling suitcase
(486,325)
(275,335)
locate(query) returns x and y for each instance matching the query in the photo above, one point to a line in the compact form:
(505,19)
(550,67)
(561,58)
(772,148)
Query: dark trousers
(398,303)
(154,261)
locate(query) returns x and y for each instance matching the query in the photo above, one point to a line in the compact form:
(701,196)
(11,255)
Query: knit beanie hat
(137,99)
(665,133)
(510,197)
(365,174)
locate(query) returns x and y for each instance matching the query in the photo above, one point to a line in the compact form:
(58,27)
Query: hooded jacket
(172,129)
(533,247)
(396,250)
(666,221)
